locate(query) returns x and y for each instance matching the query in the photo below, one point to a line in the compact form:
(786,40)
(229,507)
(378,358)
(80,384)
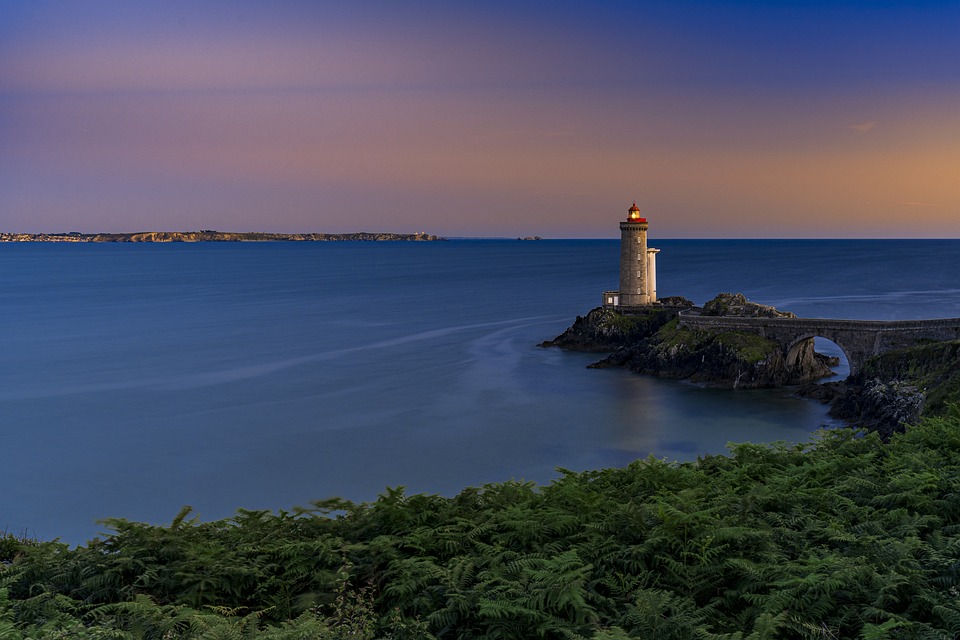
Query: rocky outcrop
(654,343)
(729,359)
(676,302)
(604,329)
(897,388)
(735,304)
(886,407)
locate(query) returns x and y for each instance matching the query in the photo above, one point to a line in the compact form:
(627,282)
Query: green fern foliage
(844,537)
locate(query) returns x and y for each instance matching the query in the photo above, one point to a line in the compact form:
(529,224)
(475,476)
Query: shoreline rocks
(604,329)
(652,342)
(896,389)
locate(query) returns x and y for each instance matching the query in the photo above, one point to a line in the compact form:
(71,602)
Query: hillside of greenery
(848,537)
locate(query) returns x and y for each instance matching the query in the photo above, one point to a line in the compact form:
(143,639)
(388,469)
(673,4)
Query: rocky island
(654,343)
(889,391)
(207,235)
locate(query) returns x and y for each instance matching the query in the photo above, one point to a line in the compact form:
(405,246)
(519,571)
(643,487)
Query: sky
(721,119)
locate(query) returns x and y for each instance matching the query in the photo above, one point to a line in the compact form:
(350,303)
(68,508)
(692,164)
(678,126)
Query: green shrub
(844,537)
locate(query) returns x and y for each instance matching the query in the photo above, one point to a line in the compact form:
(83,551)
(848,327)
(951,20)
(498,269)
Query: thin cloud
(912,203)
(863,127)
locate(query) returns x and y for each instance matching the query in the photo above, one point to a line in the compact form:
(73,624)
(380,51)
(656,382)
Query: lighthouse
(638,265)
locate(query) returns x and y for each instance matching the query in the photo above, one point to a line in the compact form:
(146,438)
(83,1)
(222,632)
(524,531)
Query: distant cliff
(215,236)
(654,343)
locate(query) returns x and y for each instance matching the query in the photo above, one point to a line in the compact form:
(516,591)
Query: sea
(139,378)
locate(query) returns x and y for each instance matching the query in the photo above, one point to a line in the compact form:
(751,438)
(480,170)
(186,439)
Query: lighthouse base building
(638,265)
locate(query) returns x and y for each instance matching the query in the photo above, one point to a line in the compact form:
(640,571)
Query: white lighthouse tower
(638,265)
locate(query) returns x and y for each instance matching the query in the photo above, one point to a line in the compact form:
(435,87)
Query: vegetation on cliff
(848,538)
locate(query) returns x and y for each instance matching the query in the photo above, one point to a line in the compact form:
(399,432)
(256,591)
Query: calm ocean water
(135,379)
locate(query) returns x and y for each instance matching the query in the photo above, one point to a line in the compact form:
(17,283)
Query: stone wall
(859,339)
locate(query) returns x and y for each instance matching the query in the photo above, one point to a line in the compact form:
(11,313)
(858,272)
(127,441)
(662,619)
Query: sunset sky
(496,118)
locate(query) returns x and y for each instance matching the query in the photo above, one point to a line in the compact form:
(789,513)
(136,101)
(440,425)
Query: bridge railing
(734,322)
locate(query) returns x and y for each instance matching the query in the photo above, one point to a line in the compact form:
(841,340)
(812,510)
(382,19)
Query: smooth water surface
(136,378)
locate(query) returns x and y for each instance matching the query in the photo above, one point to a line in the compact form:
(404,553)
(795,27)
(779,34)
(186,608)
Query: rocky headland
(655,343)
(892,390)
(207,235)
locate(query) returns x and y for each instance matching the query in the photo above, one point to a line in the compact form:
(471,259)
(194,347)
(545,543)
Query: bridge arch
(803,346)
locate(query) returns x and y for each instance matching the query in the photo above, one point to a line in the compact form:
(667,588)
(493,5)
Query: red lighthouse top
(633,213)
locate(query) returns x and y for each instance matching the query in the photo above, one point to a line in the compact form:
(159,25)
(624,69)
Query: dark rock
(604,329)
(895,389)
(886,407)
(824,392)
(678,302)
(735,304)
(729,359)
(653,342)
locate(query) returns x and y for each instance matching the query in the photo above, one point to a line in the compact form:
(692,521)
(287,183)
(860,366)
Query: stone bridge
(859,339)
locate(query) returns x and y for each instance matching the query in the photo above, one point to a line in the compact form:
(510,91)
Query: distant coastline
(207,235)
